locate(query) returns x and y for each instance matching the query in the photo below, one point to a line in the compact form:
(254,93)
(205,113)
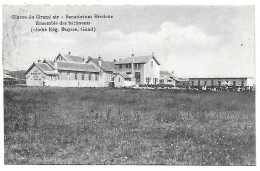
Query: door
(137,77)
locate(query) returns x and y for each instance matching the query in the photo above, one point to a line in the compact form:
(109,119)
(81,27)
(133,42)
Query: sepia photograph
(129,85)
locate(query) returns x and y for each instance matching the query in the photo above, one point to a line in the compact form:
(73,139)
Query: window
(120,66)
(118,79)
(108,77)
(242,82)
(219,83)
(192,83)
(205,82)
(137,65)
(96,76)
(152,64)
(212,82)
(59,77)
(89,76)
(148,80)
(234,83)
(128,65)
(156,80)
(76,76)
(128,73)
(198,82)
(82,77)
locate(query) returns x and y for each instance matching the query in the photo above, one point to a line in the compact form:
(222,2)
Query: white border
(131,2)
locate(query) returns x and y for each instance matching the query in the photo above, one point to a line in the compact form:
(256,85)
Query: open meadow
(44,125)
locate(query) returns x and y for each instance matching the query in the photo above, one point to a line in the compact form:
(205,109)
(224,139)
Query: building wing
(105,65)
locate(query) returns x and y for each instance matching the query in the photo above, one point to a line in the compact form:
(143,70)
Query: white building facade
(141,69)
(77,71)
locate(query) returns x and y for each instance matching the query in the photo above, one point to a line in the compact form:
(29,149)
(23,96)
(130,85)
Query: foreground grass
(114,126)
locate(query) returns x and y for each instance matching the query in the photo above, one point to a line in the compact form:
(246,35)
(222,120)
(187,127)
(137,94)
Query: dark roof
(43,67)
(72,58)
(137,60)
(72,66)
(106,65)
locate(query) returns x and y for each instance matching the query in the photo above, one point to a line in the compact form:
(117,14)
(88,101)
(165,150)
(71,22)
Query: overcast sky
(192,41)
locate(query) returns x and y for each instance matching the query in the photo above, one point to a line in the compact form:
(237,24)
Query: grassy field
(115,126)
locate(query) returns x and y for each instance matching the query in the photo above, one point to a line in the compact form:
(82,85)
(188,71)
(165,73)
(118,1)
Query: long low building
(221,81)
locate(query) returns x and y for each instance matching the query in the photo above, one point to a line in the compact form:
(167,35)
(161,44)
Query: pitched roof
(180,79)
(71,58)
(137,60)
(44,68)
(123,75)
(72,66)
(165,73)
(106,65)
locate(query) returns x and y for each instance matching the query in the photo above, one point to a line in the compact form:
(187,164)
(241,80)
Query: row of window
(148,80)
(130,66)
(83,76)
(219,82)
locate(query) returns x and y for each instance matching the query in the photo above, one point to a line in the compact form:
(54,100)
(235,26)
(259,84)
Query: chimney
(133,74)
(55,65)
(114,60)
(99,60)
(69,53)
(172,72)
(39,61)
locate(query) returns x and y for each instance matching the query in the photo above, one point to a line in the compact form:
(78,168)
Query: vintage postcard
(129,85)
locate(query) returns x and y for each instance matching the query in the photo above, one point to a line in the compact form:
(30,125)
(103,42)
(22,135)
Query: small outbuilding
(122,80)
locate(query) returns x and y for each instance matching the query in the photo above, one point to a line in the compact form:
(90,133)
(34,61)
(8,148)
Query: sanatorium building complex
(67,70)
